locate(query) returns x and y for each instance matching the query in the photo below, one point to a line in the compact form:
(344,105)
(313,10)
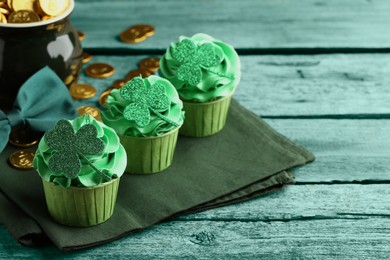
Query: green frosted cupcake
(205,72)
(146,114)
(80,162)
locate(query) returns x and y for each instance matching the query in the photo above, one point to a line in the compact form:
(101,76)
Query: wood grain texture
(246,24)
(313,219)
(320,85)
(345,150)
(297,222)
(337,85)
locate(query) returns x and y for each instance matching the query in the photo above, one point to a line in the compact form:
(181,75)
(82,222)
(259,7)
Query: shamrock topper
(144,100)
(69,147)
(193,59)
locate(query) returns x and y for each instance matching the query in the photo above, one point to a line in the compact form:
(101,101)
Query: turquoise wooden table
(318,71)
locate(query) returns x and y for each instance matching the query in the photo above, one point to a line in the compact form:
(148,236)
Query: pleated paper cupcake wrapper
(147,155)
(81,207)
(205,119)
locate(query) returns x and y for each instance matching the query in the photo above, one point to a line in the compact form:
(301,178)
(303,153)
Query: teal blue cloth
(41,102)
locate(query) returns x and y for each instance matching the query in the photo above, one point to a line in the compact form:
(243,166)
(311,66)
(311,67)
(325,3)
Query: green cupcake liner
(205,119)
(81,207)
(146,155)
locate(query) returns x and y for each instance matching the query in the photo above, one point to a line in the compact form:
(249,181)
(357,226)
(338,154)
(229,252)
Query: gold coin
(38,9)
(18,5)
(103,96)
(22,159)
(137,33)
(46,17)
(82,91)
(3,19)
(118,83)
(4,9)
(93,111)
(99,70)
(86,57)
(23,16)
(53,7)
(151,64)
(69,80)
(24,138)
(138,72)
(81,35)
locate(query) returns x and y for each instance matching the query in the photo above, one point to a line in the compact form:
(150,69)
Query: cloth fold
(246,159)
(41,102)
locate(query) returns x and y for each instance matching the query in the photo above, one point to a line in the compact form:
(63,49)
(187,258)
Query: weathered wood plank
(297,85)
(345,150)
(315,85)
(307,202)
(247,24)
(324,239)
(331,220)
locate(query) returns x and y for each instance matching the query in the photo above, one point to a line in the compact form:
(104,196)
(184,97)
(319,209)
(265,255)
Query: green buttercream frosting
(110,161)
(201,68)
(144,107)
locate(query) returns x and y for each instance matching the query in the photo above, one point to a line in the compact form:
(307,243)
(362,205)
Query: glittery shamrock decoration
(193,59)
(69,147)
(145,99)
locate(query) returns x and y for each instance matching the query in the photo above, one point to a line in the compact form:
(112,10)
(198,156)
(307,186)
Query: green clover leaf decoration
(144,100)
(193,58)
(69,147)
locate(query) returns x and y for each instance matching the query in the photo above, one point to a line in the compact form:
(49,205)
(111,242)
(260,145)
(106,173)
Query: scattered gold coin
(99,70)
(137,33)
(138,72)
(151,64)
(103,96)
(81,35)
(82,91)
(93,111)
(53,7)
(18,5)
(24,138)
(86,57)
(23,16)
(22,159)
(118,83)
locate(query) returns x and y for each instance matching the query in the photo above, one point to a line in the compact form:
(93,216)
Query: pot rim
(66,13)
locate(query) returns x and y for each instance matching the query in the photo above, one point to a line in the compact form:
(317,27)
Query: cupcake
(80,162)
(205,72)
(146,114)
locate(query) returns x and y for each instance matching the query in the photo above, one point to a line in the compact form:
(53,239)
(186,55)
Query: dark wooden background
(318,71)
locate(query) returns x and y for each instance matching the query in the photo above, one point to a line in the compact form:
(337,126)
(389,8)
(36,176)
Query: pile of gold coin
(30,11)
